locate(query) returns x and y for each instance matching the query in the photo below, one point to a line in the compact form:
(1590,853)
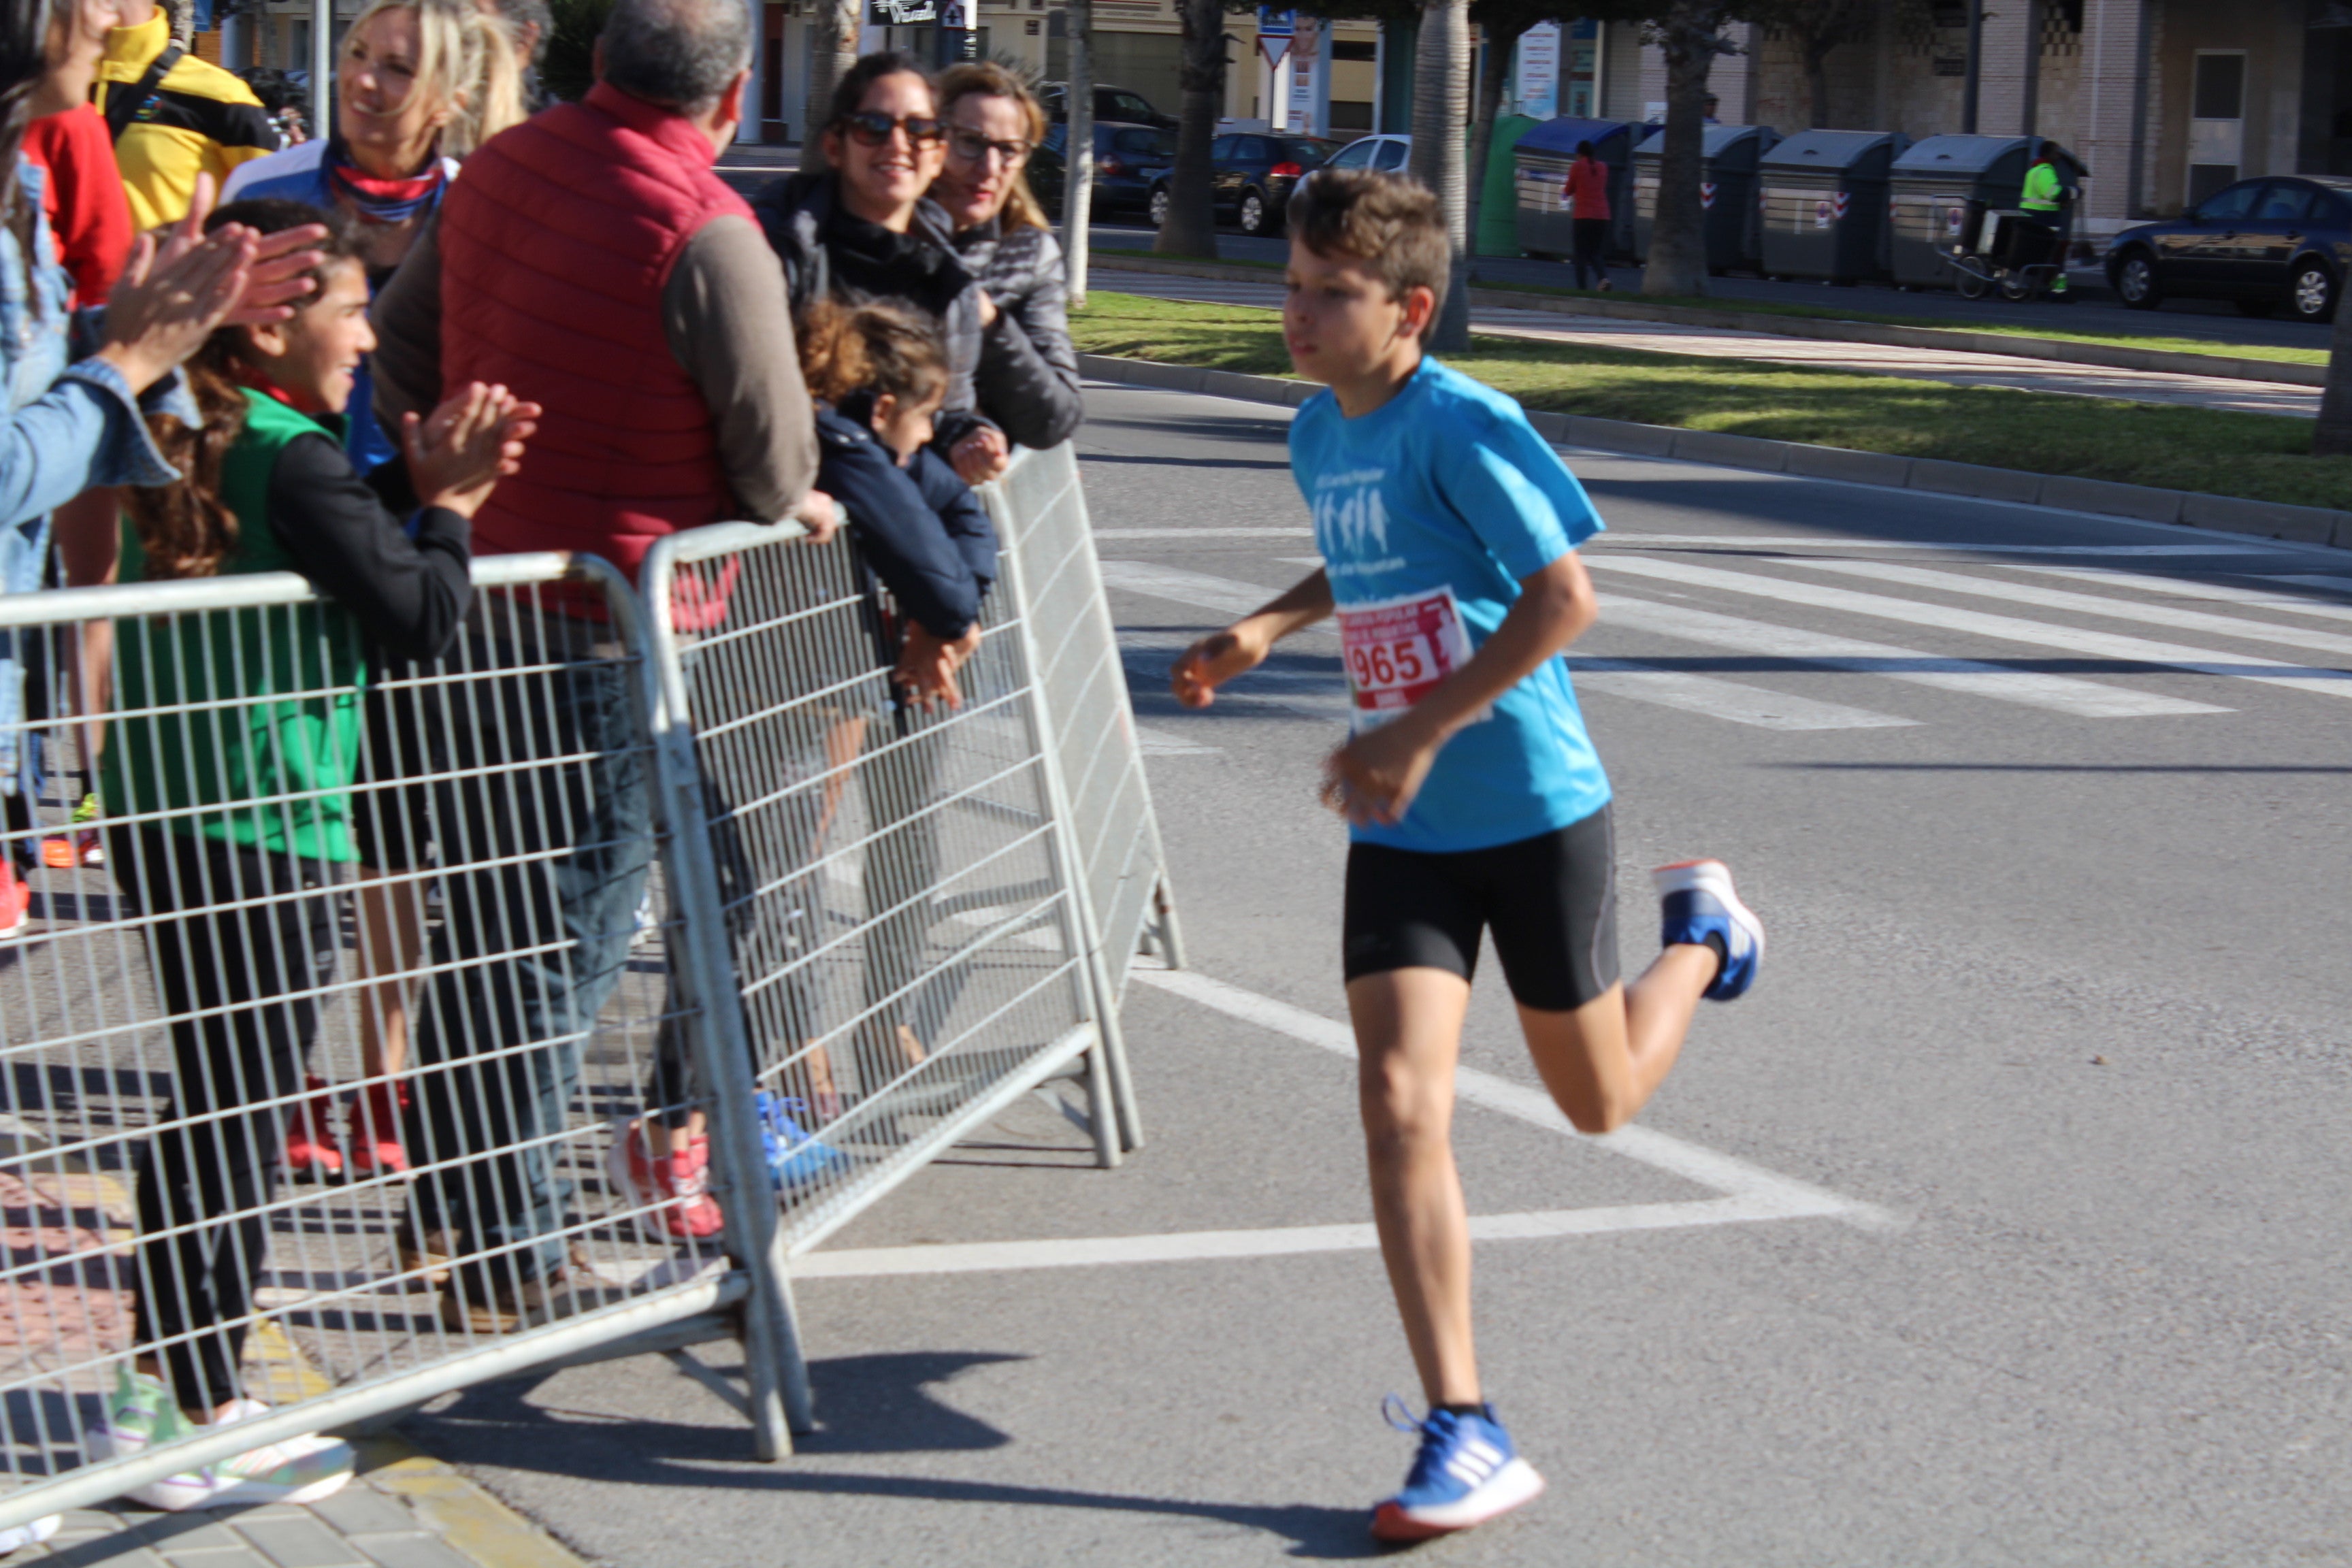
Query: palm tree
(1191,226)
(1689,34)
(1441,110)
(833,50)
(2333,439)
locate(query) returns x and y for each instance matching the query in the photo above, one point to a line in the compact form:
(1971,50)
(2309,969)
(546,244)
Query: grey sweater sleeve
(1028,376)
(725,312)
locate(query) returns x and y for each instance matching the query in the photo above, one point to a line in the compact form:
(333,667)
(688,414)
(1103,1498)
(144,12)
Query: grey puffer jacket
(1028,376)
(827,251)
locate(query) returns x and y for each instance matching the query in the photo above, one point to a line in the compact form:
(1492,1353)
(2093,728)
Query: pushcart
(2018,253)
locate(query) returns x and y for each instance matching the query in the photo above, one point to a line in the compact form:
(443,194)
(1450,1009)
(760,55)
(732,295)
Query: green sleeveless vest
(261,734)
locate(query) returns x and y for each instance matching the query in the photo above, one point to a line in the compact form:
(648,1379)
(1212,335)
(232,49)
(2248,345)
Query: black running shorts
(1551,902)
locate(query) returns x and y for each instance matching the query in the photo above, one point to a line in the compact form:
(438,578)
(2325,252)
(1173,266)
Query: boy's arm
(966,520)
(1210,663)
(898,535)
(409,595)
(1374,777)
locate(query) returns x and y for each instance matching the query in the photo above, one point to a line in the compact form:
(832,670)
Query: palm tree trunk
(1677,263)
(1441,104)
(1502,43)
(2333,439)
(1079,153)
(833,50)
(1191,226)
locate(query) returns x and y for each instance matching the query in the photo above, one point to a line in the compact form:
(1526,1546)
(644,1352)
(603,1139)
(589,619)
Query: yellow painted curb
(470,1520)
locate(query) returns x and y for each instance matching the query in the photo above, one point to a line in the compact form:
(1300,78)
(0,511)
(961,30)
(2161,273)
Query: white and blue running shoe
(1697,899)
(1466,1473)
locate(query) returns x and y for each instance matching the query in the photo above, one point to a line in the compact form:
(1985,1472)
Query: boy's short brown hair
(1389,221)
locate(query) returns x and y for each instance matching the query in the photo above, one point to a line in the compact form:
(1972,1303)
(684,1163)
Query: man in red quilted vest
(591,260)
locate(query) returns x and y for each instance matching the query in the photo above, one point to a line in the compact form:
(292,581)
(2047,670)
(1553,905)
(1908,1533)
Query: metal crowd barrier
(167,1015)
(613,869)
(1040,511)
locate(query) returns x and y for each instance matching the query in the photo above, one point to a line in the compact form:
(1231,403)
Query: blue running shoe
(1698,902)
(1466,1473)
(797,1157)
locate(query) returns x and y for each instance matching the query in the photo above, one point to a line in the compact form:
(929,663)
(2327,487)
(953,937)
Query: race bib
(1398,651)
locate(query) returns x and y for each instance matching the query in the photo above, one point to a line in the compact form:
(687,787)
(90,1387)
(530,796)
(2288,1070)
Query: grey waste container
(1821,204)
(1728,156)
(1938,192)
(1540,163)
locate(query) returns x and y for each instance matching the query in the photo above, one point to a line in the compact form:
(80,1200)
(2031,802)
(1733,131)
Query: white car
(1389,154)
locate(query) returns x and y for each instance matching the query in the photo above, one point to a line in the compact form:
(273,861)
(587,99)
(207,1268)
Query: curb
(2176,362)
(2142,504)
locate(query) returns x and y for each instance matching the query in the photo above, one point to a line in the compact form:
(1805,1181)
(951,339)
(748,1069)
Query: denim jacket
(70,427)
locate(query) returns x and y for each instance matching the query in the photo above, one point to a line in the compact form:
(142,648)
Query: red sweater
(556,244)
(87,211)
(1588,188)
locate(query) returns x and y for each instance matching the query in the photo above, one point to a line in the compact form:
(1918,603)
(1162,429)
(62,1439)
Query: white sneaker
(296,1469)
(17,1537)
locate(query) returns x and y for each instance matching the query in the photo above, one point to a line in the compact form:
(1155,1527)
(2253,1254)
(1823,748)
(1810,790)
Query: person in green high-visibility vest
(2044,202)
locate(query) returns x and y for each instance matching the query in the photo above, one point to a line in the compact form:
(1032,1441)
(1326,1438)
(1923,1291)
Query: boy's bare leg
(1408,1039)
(1603,1060)
(392,941)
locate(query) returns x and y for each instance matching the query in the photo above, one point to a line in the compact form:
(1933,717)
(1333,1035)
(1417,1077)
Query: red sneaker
(678,1182)
(310,1149)
(375,1129)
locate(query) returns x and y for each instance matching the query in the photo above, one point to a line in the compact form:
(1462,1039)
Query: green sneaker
(296,1469)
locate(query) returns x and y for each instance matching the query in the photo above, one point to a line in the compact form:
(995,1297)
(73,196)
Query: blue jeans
(537,947)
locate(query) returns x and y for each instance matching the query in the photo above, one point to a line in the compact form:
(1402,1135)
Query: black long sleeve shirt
(345,535)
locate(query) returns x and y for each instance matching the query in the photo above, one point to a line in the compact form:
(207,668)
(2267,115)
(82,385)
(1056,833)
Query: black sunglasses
(872,128)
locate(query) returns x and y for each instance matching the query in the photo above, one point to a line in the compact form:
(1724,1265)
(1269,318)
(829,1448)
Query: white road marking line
(2016,593)
(1740,541)
(1162,743)
(1198,1246)
(2188,588)
(1727,699)
(1629,679)
(2005,628)
(2064,694)
(1786,1197)
(1302,532)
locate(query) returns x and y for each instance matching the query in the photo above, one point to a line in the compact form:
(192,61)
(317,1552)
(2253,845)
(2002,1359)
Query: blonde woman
(1028,376)
(421,84)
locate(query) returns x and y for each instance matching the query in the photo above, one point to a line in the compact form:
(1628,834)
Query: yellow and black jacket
(200,120)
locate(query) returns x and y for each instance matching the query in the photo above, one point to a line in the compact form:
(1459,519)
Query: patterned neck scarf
(379,200)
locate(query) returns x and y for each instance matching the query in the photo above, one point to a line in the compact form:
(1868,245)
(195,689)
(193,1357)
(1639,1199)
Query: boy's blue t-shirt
(1446,486)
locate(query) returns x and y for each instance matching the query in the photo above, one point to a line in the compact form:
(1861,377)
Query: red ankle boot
(375,1129)
(310,1149)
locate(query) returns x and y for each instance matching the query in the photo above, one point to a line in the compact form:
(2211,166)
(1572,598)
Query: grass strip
(1832,313)
(2258,456)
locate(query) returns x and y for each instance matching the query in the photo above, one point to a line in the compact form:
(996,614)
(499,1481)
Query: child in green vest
(235,736)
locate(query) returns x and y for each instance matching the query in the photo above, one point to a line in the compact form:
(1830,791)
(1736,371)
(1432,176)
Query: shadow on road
(871,1405)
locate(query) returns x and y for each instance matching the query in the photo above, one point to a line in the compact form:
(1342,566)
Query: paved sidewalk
(404,1510)
(1956,368)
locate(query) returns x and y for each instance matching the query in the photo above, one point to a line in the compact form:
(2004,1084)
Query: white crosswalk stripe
(2061,693)
(2323,682)
(2014,593)
(1321,696)
(2216,593)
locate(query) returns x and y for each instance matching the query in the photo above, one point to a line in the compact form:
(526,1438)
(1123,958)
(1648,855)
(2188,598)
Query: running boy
(1448,530)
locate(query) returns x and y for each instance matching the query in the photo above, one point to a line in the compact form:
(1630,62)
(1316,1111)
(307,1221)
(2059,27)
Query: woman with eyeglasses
(1028,376)
(861,231)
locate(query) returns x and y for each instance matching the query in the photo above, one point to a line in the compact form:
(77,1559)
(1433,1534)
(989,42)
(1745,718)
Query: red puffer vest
(556,245)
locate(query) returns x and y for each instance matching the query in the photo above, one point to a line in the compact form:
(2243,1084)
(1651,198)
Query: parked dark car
(2282,242)
(1129,161)
(1254,173)
(1122,103)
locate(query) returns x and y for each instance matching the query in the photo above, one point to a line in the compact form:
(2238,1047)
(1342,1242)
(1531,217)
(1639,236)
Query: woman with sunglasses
(1028,376)
(861,231)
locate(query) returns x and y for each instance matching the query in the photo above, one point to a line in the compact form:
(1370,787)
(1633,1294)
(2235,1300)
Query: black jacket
(919,528)
(1028,376)
(829,252)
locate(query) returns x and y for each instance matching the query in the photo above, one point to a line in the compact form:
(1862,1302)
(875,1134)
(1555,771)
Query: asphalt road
(2033,1249)
(2094,309)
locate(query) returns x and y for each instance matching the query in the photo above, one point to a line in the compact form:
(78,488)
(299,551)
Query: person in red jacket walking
(1587,193)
